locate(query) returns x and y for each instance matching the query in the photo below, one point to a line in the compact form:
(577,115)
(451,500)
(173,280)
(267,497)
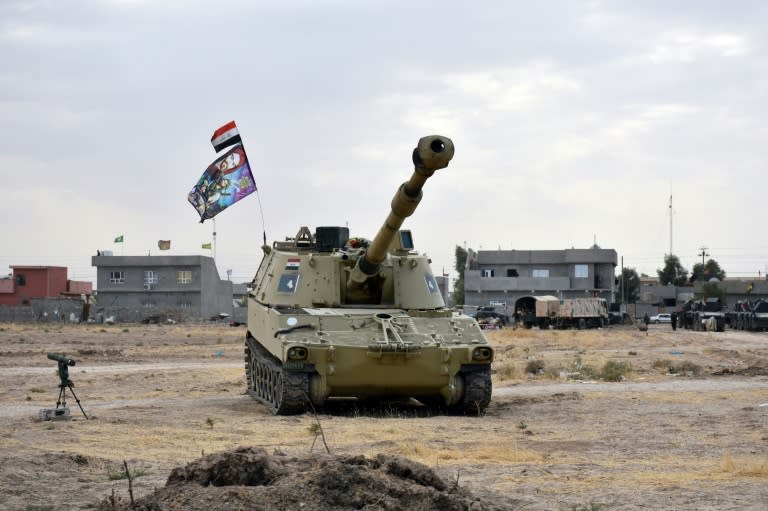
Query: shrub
(685,367)
(534,366)
(579,371)
(688,367)
(592,506)
(505,371)
(615,371)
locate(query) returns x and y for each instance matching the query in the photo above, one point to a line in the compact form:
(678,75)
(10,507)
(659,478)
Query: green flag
(119,239)
(207,246)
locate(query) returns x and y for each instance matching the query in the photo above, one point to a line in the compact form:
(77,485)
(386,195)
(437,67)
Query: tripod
(62,400)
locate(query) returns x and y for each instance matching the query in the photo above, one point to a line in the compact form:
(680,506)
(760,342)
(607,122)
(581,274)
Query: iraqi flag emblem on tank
(292,264)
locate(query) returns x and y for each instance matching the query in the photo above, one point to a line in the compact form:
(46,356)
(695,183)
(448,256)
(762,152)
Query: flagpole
(214,240)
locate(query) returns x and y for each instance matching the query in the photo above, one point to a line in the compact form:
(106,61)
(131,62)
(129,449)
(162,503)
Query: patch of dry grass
(746,466)
(507,452)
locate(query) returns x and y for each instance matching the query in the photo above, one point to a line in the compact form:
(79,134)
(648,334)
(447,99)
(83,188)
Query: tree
(711,290)
(673,272)
(629,286)
(458,286)
(706,271)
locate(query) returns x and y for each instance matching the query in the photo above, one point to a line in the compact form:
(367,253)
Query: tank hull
(354,353)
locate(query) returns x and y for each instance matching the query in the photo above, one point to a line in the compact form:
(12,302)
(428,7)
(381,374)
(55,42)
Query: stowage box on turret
(333,316)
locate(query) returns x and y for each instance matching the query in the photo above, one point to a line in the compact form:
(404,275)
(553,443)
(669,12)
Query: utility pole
(623,286)
(703,254)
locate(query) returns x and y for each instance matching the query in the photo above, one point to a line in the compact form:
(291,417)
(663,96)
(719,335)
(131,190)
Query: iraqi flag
(225,136)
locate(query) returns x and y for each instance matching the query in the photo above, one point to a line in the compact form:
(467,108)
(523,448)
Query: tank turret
(331,316)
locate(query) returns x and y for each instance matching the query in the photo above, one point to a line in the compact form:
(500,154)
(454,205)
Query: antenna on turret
(261,211)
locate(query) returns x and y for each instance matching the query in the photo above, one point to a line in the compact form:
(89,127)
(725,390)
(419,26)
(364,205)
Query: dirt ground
(685,427)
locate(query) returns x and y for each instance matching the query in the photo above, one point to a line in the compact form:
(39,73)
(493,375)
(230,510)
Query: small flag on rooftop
(164,244)
(207,246)
(119,239)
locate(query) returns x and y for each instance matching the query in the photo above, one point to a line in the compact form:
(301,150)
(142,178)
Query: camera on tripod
(62,410)
(63,361)
(61,358)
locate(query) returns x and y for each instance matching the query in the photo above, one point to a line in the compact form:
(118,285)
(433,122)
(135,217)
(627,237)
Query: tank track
(283,392)
(477,392)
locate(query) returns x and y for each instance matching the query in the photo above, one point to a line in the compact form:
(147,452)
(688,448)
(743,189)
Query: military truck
(549,311)
(747,315)
(331,316)
(695,314)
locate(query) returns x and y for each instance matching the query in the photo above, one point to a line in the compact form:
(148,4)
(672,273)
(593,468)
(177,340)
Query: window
(581,271)
(21,280)
(148,304)
(117,277)
(539,273)
(150,277)
(185,305)
(487,273)
(511,272)
(184,277)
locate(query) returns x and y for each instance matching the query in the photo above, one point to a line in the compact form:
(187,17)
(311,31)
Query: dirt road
(160,396)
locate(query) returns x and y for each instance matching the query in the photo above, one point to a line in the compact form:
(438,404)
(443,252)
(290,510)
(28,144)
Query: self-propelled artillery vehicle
(331,316)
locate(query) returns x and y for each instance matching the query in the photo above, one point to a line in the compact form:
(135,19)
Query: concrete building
(133,288)
(738,289)
(500,277)
(27,283)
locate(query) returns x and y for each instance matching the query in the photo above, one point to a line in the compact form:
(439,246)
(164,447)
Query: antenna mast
(670,225)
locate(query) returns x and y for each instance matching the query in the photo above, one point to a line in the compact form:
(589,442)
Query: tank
(331,316)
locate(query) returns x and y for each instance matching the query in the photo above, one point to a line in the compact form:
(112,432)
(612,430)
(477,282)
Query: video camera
(63,361)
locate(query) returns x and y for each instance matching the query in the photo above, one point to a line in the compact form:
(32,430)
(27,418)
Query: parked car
(661,318)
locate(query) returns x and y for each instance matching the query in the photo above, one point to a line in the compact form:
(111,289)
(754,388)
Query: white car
(661,318)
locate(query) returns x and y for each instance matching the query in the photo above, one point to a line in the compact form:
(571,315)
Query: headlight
(482,354)
(297,353)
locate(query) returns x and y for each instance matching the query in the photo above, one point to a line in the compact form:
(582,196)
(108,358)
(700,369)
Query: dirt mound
(249,478)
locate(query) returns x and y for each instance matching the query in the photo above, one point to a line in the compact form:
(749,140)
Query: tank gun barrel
(431,153)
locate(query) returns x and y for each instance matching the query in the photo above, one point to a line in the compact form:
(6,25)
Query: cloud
(689,46)
(513,89)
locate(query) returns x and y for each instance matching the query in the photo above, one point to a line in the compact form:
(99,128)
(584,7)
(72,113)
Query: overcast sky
(573,122)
